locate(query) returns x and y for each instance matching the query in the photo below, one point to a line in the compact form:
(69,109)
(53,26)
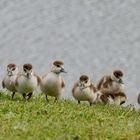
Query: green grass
(38,120)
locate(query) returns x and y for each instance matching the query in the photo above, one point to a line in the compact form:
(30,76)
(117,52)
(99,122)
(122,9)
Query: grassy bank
(65,120)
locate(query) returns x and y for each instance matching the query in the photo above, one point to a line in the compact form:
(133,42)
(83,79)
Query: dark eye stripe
(25,70)
(13,68)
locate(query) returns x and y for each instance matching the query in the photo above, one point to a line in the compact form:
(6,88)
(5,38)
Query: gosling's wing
(92,87)
(63,83)
(3,84)
(74,87)
(100,83)
(138,99)
(38,79)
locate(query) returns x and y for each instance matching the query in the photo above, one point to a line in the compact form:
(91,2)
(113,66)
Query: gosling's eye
(86,81)
(57,65)
(13,69)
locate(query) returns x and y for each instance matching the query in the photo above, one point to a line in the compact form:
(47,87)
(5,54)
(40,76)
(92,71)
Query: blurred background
(91,36)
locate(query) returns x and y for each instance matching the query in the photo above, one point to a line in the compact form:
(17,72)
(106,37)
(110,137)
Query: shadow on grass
(8,96)
(4,95)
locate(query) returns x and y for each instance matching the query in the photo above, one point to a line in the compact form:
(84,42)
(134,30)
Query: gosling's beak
(62,70)
(121,81)
(81,87)
(9,73)
(28,74)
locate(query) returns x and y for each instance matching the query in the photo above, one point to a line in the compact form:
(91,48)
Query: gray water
(91,36)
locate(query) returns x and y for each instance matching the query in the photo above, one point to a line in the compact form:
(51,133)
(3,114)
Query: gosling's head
(84,82)
(12,69)
(27,69)
(117,76)
(58,67)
